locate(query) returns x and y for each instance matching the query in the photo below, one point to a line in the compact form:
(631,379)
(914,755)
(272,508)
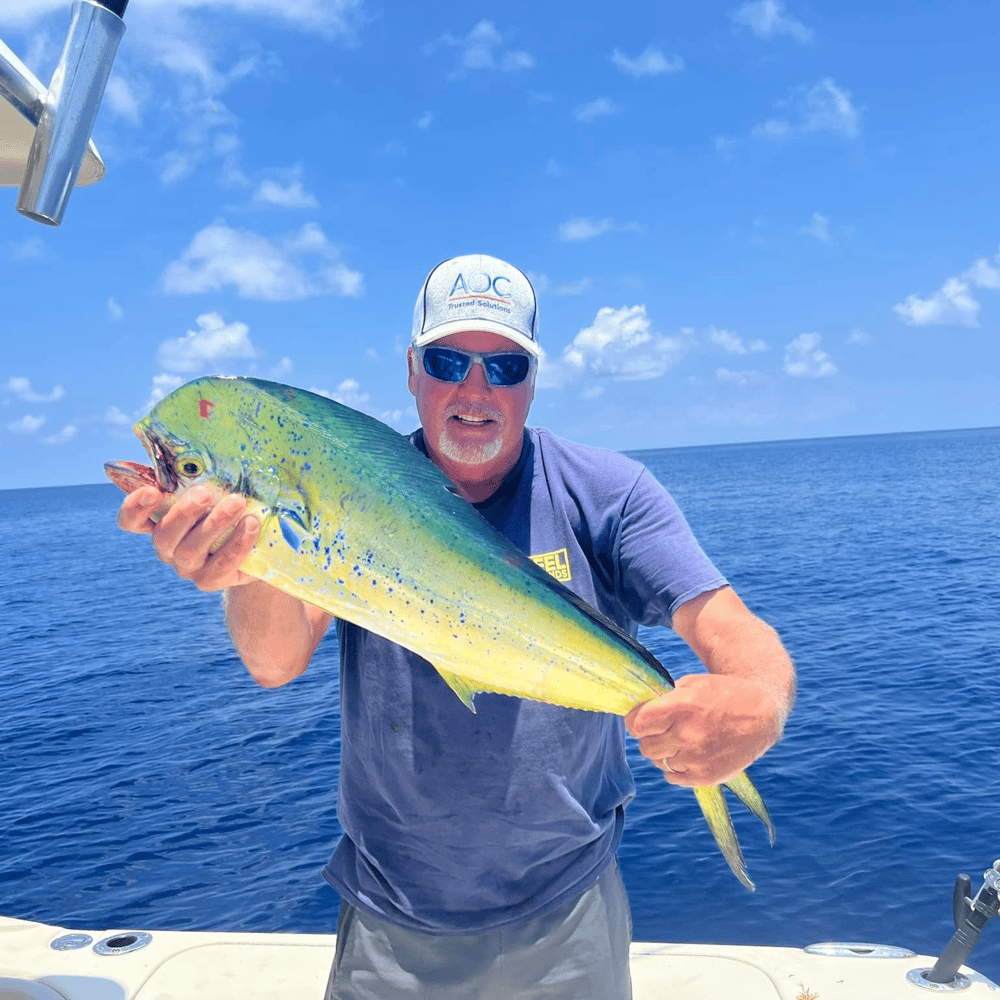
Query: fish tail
(745,790)
(713,805)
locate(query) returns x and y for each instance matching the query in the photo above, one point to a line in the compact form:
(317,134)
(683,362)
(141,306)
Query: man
(479,850)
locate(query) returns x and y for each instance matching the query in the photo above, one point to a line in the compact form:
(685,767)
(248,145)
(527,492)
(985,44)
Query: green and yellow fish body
(356,521)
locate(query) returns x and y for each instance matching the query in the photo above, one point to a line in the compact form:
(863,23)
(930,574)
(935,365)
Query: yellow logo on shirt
(555,564)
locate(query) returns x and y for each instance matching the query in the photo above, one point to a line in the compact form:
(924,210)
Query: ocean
(147,782)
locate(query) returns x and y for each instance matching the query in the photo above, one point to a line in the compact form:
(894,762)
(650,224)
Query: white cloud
(21,387)
(30,249)
(282,368)
(732,343)
(424,121)
(823,107)
(121,100)
(393,416)
(804,359)
(737,377)
(514,61)
(552,169)
(213,342)
(116,417)
(858,336)
(206,130)
(393,148)
(767,18)
(984,273)
(953,304)
(61,437)
(483,48)
(650,62)
(163,385)
(260,268)
(26,425)
(818,228)
(584,229)
(348,392)
(828,108)
(290,195)
(587,229)
(595,109)
(540,282)
(620,344)
(115,311)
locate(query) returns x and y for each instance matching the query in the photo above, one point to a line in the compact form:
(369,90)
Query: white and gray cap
(477,292)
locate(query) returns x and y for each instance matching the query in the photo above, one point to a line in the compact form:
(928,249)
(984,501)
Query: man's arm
(274,633)
(714,725)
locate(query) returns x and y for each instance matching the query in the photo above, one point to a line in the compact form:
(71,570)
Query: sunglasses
(449,365)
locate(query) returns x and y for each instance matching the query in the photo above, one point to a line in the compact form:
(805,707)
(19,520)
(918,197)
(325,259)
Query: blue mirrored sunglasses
(449,365)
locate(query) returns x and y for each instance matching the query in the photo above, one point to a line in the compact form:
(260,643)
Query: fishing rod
(971,916)
(63,115)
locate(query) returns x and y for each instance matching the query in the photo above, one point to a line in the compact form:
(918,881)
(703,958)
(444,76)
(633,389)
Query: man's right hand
(184,536)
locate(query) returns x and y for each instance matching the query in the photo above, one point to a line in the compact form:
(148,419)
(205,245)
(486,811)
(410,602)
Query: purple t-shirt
(460,823)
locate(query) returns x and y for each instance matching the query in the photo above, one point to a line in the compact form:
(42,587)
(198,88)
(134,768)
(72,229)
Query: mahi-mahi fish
(354,520)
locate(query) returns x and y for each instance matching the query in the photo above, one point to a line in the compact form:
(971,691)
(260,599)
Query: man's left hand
(709,728)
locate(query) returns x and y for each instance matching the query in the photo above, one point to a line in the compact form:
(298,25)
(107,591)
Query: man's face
(472,423)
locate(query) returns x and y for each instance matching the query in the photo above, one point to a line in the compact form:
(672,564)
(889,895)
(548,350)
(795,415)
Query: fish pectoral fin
(465,691)
(713,805)
(745,790)
(293,530)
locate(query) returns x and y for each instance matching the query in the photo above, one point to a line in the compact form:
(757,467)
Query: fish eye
(190,465)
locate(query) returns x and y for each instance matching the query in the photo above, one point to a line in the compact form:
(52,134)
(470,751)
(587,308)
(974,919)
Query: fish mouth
(166,478)
(130,476)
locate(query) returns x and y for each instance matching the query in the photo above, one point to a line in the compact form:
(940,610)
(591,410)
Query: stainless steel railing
(63,115)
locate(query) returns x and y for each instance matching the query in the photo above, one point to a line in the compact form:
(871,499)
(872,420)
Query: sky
(745,221)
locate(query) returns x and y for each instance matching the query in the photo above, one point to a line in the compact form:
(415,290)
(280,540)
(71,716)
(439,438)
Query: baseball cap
(477,292)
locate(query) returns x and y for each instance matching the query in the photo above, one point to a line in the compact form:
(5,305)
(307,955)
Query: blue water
(146,781)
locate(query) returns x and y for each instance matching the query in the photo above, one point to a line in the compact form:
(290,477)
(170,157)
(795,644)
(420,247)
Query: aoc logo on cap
(480,283)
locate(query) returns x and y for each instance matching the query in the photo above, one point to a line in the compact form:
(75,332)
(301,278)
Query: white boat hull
(174,965)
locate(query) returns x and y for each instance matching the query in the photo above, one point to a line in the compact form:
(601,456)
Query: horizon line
(639,451)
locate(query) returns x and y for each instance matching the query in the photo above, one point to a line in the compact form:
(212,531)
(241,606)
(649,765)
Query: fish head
(232,435)
(195,436)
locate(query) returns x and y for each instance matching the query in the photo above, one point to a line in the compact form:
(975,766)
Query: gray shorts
(578,951)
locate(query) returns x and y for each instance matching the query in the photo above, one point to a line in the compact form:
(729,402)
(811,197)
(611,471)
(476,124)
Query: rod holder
(71,106)
(971,916)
